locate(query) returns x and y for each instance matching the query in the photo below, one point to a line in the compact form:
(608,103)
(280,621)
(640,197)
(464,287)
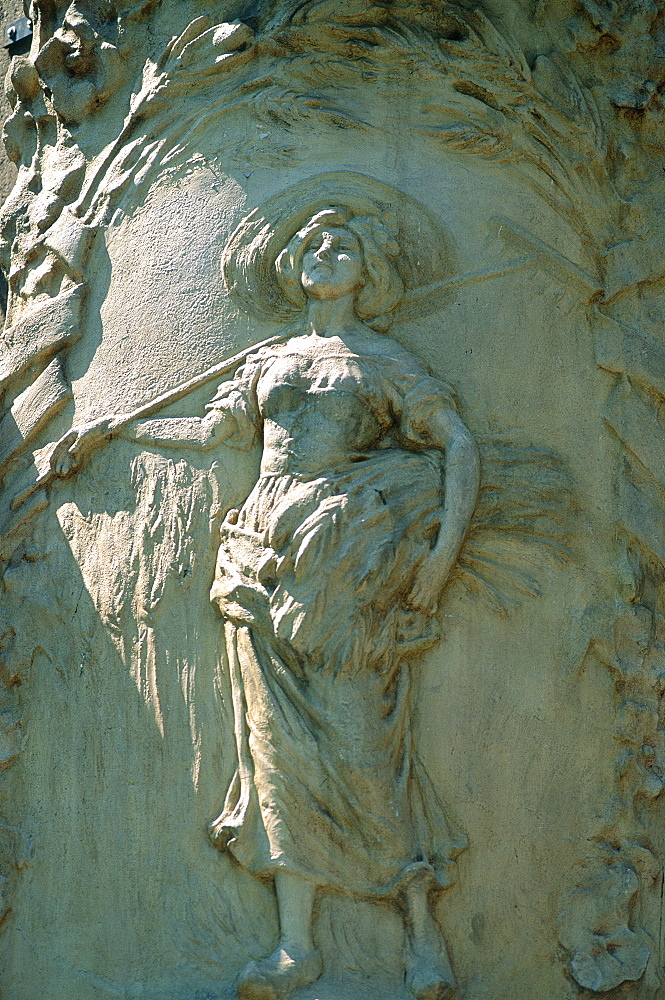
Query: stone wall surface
(8,13)
(332,523)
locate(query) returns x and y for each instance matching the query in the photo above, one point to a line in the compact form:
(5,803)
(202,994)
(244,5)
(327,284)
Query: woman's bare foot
(429,975)
(428,972)
(287,969)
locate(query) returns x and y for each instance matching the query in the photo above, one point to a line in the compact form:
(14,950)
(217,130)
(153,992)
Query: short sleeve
(427,397)
(415,397)
(237,398)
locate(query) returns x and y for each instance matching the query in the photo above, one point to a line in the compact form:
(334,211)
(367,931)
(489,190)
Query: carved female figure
(328,580)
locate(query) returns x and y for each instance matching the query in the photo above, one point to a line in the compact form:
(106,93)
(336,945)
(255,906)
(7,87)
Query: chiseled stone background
(10,10)
(535,137)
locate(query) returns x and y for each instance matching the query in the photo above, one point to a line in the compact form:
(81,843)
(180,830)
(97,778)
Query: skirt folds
(311,579)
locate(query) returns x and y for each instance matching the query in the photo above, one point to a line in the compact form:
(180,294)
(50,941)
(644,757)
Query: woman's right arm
(178,432)
(199,433)
(233,416)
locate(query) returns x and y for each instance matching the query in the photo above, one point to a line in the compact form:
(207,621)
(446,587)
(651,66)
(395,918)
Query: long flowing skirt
(310,579)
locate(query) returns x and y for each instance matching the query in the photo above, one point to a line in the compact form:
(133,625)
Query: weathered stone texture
(332,630)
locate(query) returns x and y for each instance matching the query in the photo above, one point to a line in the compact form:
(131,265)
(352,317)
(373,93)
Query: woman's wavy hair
(383,288)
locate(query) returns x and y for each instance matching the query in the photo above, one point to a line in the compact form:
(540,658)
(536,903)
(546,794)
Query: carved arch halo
(426,254)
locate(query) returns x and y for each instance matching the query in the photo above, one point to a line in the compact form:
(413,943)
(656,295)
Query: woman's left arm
(447,431)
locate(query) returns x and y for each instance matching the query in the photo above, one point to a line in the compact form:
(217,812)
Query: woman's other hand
(74,447)
(430,581)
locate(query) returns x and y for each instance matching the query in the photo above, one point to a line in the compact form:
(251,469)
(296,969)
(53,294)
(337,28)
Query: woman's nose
(323,250)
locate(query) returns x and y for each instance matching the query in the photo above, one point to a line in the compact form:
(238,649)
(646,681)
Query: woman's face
(332,265)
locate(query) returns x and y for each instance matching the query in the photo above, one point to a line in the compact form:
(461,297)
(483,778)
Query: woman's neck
(329,317)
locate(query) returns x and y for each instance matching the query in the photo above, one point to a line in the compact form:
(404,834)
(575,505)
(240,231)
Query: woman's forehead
(334,232)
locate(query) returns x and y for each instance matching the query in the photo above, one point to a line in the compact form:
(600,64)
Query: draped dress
(312,577)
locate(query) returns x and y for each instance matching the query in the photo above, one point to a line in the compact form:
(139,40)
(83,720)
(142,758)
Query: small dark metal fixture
(17,31)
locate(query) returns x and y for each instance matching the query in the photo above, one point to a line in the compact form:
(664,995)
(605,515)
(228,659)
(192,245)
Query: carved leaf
(355,12)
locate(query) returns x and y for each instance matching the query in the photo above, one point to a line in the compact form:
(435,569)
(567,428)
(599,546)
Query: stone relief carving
(478,95)
(597,925)
(482,91)
(329,792)
(611,950)
(59,203)
(335,794)
(81,55)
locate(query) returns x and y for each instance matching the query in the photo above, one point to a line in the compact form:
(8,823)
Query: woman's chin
(326,290)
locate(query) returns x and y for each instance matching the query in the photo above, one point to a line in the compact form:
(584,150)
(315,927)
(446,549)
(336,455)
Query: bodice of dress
(321,401)
(319,408)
